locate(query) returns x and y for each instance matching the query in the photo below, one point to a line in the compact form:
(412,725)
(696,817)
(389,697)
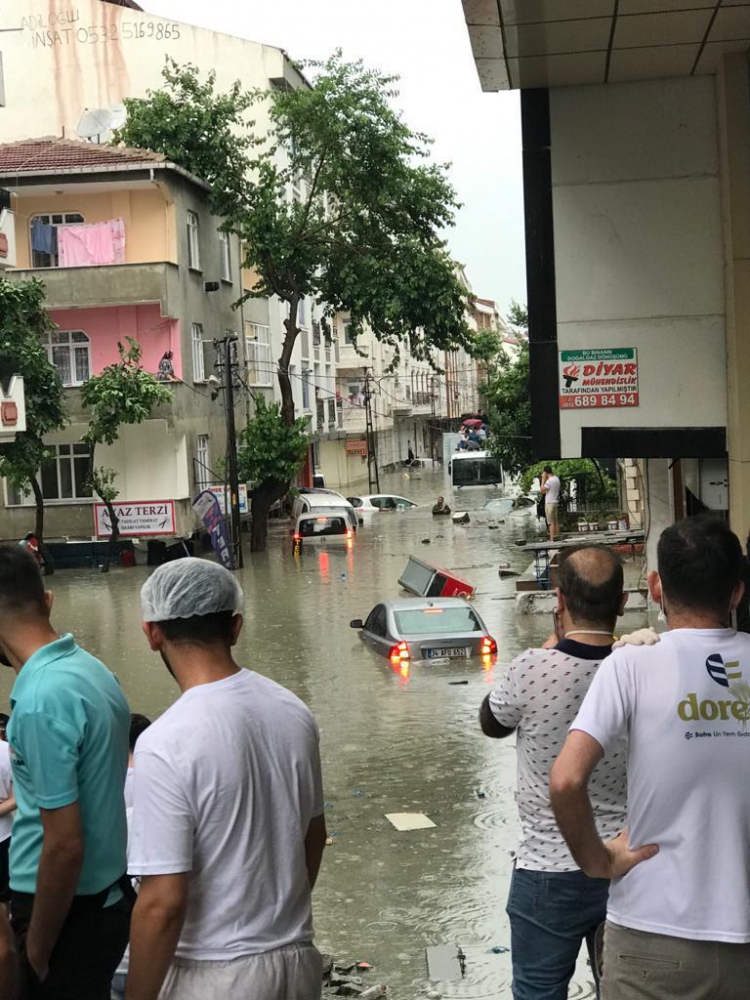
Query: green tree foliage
(518,317)
(601,489)
(507,396)
(270,452)
(122,393)
(191,124)
(365,235)
(24,321)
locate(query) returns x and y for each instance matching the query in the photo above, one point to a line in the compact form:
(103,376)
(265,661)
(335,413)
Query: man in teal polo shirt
(68,734)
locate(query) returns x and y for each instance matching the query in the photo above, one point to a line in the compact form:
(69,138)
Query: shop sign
(357,448)
(598,377)
(152,517)
(221,493)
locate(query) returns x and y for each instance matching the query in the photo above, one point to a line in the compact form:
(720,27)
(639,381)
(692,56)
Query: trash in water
(426,541)
(446,962)
(481,795)
(461,517)
(457,683)
(498,949)
(357,794)
(410,821)
(373,992)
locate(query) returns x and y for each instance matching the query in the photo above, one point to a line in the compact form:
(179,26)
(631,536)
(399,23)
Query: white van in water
(325,503)
(475,468)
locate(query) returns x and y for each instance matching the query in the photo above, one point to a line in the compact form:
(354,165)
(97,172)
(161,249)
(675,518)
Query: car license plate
(454,652)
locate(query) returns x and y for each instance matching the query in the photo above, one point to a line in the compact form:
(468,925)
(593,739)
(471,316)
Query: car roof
(371,496)
(326,500)
(419,603)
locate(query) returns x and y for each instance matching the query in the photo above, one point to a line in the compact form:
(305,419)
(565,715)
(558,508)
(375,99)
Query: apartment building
(126,247)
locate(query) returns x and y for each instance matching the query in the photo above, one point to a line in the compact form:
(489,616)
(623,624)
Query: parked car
(426,629)
(316,528)
(325,502)
(380,501)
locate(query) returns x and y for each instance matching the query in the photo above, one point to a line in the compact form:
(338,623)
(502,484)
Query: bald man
(553,906)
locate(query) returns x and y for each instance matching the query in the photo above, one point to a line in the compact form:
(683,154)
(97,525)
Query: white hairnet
(186,588)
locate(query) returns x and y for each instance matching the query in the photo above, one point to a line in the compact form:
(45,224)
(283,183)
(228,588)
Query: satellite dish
(94,123)
(119,115)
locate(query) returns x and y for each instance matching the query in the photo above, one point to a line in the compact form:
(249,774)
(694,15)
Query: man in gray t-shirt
(553,907)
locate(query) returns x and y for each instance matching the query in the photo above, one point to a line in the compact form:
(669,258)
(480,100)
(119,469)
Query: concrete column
(660,501)
(733,95)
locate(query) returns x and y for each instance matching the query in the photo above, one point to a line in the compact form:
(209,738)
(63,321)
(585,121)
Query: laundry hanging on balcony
(91,244)
(43,237)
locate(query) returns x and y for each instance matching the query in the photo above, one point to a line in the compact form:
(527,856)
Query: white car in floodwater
(379,502)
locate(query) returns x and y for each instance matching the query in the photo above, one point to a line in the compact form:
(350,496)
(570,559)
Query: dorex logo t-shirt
(685,706)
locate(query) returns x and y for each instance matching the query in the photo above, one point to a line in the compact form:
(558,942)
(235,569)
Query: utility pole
(232,470)
(373,474)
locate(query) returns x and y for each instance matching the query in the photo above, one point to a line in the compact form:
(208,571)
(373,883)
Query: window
(348,339)
(193,240)
(40,258)
(302,312)
(376,621)
(69,352)
(199,364)
(62,477)
(260,366)
(305,392)
(225,253)
(437,621)
(202,463)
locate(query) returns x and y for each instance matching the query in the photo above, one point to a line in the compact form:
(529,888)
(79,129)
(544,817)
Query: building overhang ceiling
(521,44)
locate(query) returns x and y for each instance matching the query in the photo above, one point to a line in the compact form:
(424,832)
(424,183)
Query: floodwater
(389,743)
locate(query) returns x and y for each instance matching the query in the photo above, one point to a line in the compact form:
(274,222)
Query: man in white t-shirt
(550,486)
(553,907)
(228,828)
(678,920)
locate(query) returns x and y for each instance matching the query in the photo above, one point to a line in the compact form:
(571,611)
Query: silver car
(422,628)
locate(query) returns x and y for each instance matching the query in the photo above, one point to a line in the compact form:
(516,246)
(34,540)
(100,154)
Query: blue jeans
(118,986)
(551,914)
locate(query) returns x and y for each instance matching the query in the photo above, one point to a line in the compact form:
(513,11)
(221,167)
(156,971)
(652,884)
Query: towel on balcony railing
(43,237)
(91,244)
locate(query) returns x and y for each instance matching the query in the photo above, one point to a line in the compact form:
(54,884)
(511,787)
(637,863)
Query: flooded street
(389,744)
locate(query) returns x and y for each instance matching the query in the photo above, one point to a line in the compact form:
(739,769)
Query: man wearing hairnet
(228,827)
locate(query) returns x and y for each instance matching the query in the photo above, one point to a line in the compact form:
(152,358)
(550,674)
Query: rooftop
(520,44)
(52,156)
(51,153)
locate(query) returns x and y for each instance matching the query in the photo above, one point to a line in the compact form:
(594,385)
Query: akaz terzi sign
(598,377)
(155,517)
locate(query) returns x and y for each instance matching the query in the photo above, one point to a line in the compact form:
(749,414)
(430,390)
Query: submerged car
(325,528)
(426,629)
(380,501)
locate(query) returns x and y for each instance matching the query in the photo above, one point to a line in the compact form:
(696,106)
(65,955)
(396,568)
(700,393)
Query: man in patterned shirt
(553,907)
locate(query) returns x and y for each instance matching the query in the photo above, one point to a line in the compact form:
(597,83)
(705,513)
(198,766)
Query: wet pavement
(389,743)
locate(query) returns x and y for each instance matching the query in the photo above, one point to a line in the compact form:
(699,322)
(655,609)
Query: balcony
(107,285)
(350,360)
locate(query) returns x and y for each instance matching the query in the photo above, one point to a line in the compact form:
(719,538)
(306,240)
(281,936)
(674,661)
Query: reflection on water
(392,741)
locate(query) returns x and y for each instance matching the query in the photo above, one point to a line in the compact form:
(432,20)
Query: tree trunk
(47,560)
(112,543)
(263,497)
(266,495)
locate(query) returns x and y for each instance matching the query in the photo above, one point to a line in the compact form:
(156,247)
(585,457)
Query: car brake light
(432,611)
(321,520)
(489,646)
(349,533)
(399,652)
(296,537)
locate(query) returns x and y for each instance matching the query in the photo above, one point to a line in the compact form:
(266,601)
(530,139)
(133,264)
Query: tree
(362,233)
(122,393)
(269,451)
(507,395)
(601,489)
(518,317)
(24,322)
